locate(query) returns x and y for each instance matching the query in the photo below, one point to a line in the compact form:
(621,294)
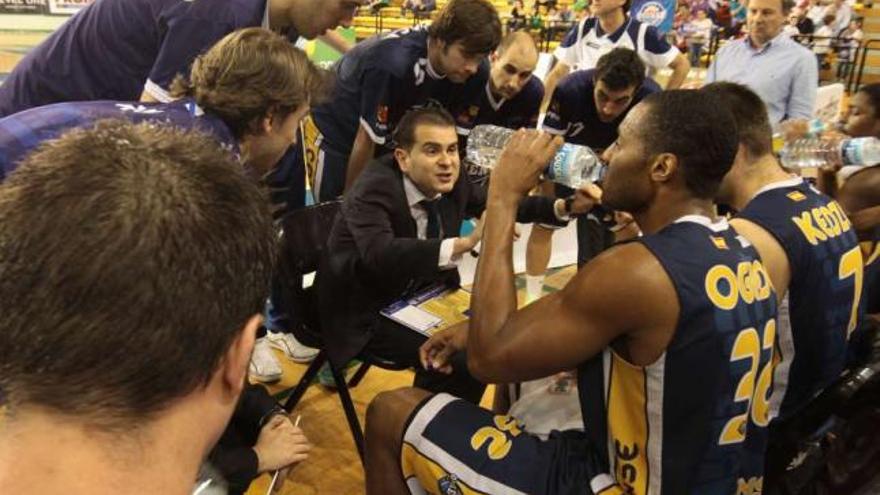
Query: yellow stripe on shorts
(311,143)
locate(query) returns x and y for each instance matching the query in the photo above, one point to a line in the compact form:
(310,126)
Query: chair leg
(358,375)
(305,381)
(350,414)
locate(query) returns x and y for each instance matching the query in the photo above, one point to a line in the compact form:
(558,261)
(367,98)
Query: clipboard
(430,310)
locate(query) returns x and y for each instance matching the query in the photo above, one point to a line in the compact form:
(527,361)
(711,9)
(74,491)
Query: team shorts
(324,166)
(287,183)
(451,446)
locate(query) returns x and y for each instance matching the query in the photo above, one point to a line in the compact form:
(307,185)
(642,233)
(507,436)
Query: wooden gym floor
(334,467)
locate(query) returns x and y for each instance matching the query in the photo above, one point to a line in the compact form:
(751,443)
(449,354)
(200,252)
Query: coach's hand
(437,351)
(523,160)
(280,444)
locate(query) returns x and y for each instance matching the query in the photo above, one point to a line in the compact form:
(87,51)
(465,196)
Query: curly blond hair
(251,74)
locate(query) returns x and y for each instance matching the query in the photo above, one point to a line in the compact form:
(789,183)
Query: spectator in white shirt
(849,42)
(699,32)
(823,37)
(791,26)
(816,11)
(842,15)
(611,27)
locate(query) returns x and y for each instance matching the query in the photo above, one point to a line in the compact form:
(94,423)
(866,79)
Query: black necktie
(433,229)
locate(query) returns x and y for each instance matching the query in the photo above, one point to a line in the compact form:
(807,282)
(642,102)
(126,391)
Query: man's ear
(402,158)
(266,124)
(663,167)
(742,156)
(437,44)
(238,356)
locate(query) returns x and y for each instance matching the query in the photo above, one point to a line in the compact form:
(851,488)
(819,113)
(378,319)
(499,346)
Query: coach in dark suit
(397,233)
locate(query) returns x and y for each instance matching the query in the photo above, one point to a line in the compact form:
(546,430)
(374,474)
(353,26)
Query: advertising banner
(658,13)
(67,7)
(23,6)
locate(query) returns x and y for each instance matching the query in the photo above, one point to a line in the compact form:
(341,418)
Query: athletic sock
(534,286)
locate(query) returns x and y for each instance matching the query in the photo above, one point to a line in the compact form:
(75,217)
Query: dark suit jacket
(374,256)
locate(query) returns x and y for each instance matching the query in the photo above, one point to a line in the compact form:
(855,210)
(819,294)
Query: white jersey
(586,42)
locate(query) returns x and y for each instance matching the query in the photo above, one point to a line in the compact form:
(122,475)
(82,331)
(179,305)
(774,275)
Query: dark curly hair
(475,23)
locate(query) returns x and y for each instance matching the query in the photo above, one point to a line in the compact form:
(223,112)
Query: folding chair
(304,238)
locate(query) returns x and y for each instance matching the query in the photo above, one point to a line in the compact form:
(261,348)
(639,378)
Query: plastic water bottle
(805,129)
(814,152)
(572,166)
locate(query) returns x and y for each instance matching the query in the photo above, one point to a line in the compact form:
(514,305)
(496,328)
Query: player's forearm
(553,78)
(361,152)
(463,245)
(494,295)
(336,41)
(680,68)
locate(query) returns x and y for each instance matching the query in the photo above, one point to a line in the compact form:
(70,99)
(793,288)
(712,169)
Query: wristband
(568,202)
(271,413)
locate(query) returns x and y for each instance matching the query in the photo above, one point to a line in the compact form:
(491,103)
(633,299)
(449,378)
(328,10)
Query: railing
(547,33)
(379,17)
(855,78)
(837,52)
(553,31)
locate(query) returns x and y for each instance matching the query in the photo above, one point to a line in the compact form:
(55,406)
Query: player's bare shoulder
(626,281)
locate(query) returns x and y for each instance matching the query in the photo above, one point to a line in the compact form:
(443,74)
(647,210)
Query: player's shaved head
(513,64)
(520,40)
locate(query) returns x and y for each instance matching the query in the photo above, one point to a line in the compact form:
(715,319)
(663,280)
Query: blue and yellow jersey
(573,115)
(381,78)
(115,49)
(23,132)
(694,421)
(823,305)
(520,111)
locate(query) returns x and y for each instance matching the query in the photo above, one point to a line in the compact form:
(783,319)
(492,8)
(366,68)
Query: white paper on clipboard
(415,318)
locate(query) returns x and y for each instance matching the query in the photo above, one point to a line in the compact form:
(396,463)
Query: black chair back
(304,234)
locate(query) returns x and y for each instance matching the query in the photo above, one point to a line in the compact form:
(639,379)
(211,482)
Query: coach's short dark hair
(131,257)
(475,23)
(405,132)
(619,69)
(752,122)
(695,127)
